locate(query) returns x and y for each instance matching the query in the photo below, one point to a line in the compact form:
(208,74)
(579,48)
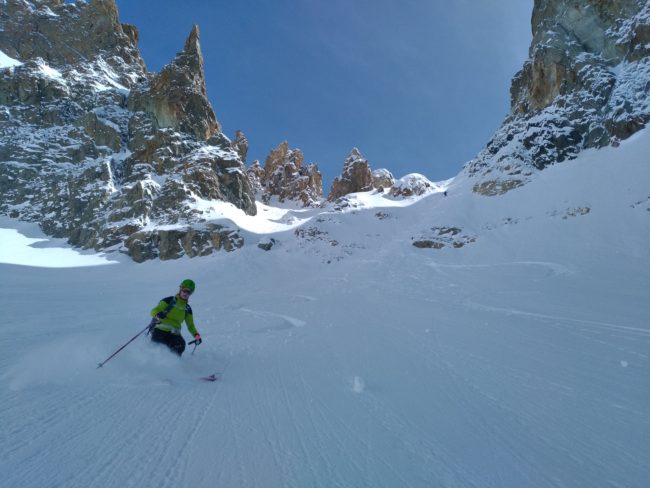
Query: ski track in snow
(636,331)
(554,269)
(466,393)
(520,360)
(288,322)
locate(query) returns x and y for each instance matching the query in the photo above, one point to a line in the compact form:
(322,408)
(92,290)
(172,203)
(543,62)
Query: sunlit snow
(349,357)
(16,248)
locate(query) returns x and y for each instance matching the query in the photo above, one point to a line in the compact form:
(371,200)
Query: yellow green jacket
(181,311)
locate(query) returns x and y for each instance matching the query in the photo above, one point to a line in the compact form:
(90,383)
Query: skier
(169,315)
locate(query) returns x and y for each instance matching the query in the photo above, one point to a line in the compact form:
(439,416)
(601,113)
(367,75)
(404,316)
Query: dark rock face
(266,244)
(240,144)
(286,177)
(173,244)
(94,147)
(586,84)
(255,173)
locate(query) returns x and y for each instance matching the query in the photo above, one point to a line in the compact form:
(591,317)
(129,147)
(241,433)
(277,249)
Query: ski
(212,377)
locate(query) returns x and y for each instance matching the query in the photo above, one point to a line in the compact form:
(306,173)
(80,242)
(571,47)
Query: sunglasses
(186,290)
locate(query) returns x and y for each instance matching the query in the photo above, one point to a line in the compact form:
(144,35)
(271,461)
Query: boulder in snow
(413,184)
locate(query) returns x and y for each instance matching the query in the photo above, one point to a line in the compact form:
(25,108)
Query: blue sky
(416,85)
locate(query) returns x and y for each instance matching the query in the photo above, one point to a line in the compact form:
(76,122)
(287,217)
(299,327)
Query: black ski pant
(175,342)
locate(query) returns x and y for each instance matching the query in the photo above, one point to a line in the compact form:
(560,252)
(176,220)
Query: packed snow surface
(349,357)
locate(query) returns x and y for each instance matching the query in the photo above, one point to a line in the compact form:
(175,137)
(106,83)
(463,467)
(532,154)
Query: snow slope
(351,358)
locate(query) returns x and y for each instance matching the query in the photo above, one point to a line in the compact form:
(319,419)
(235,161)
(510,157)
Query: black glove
(160,316)
(197,339)
(152,324)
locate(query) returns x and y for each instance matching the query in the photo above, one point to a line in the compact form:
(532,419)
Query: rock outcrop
(382,179)
(358,176)
(240,144)
(441,237)
(63,34)
(413,184)
(286,177)
(97,149)
(586,84)
(176,97)
(355,177)
(188,241)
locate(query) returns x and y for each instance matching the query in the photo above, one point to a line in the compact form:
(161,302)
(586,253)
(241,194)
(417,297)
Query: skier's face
(185,293)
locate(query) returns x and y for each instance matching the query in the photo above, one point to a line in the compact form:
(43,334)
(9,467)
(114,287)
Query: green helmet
(189,284)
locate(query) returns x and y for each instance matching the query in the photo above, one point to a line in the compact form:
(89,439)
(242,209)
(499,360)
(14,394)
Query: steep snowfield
(351,358)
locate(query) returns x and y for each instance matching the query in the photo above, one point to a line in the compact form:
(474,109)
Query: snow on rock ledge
(412,184)
(382,179)
(7,62)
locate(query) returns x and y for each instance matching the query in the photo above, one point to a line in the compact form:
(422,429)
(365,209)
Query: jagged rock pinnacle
(356,176)
(284,176)
(177,96)
(192,44)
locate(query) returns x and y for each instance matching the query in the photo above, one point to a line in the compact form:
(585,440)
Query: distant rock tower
(356,176)
(284,176)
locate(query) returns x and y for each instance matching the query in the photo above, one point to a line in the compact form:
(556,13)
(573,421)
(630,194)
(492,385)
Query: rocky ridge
(585,85)
(101,151)
(358,176)
(113,157)
(285,177)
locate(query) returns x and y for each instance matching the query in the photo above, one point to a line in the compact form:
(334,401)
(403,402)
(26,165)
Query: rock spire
(356,176)
(285,176)
(176,97)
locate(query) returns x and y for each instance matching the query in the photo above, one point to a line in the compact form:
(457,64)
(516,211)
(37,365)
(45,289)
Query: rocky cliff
(286,177)
(101,151)
(586,85)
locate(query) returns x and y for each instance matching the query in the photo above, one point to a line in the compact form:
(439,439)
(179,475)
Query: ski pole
(132,339)
(195,345)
